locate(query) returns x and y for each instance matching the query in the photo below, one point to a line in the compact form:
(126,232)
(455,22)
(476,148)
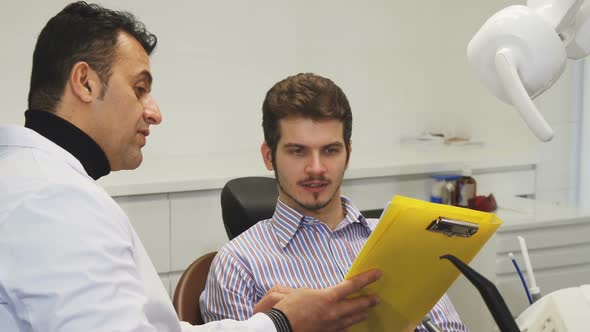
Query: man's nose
(315,164)
(151,112)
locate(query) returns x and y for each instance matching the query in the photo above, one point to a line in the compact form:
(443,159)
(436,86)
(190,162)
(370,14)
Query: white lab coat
(69,258)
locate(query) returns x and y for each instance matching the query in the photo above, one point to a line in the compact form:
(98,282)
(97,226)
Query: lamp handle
(520,98)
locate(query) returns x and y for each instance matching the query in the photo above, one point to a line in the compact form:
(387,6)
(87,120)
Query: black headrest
(245,201)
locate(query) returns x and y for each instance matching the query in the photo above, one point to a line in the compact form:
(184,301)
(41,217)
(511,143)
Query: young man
(69,258)
(315,233)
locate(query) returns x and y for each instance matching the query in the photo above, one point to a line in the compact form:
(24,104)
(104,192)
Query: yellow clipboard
(406,245)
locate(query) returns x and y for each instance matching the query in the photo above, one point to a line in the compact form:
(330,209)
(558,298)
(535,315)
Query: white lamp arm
(519,97)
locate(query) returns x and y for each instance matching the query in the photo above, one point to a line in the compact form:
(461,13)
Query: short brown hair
(304,95)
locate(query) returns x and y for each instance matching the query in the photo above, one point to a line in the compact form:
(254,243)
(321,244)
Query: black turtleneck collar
(71,139)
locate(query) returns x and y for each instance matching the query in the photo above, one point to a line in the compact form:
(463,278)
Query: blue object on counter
(524,284)
(435,199)
(446,177)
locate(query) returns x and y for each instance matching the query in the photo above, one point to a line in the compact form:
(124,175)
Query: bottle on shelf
(466,188)
(444,189)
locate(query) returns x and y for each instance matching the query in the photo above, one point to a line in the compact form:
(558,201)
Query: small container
(443,189)
(437,186)
(449,192)
(466,188)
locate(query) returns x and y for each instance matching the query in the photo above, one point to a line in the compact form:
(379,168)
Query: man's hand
(271,298)
(328,309)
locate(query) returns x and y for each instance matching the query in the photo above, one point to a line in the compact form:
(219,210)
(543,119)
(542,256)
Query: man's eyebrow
(293,145)
(329,145)
(334,144)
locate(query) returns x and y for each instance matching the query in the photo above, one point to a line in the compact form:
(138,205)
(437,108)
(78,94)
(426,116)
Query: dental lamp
(521,51)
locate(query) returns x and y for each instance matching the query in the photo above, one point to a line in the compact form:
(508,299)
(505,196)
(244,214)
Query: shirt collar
(71,139)
(19,136)
(287,221)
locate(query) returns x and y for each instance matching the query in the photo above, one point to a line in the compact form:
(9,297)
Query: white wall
(402,64)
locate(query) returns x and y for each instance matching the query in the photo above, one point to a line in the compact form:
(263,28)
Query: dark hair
(304,95)
(80,32)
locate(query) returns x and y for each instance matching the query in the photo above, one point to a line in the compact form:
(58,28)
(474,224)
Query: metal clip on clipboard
(451,227)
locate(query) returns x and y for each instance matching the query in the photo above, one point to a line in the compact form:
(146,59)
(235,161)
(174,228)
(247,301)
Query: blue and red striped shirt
(293,250)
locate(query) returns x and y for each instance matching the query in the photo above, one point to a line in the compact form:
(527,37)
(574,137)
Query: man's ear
(266,155)
(349,154)
(84,82)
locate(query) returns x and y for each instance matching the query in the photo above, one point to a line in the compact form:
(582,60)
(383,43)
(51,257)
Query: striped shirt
(293,250)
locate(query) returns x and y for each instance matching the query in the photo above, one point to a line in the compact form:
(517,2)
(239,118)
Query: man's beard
(315,206)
